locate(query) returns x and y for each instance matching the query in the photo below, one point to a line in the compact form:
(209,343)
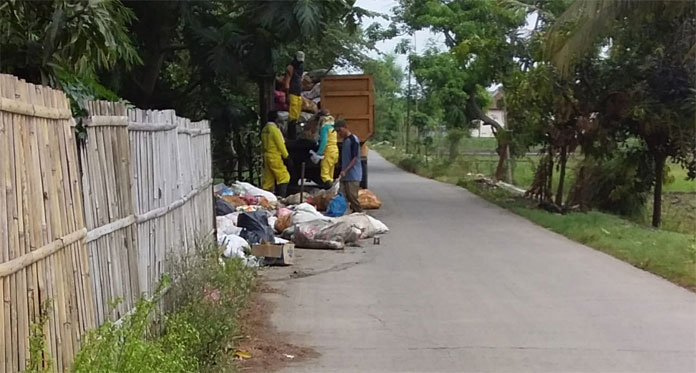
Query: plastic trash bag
(235,246)
(256,228)
(271,221)
(283,211)
(337,206)
(294,199)
(305,212)
(227,224)
(320,234)
(254,191)
(222,207)
(369,226)
(303,236)
(316,158)
(283,223)
(368,200)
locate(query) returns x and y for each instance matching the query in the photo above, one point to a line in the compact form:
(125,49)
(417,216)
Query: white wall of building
(486,131)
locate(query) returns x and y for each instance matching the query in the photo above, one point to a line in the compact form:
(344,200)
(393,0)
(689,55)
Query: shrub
(619,184)
(205,300)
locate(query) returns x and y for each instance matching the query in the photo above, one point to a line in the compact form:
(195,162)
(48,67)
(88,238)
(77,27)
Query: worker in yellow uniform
(275,174)
(293,90)
(328,150)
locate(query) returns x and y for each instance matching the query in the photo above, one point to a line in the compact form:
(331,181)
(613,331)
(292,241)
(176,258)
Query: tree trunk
(549,180)
(265,98)
(561,176)
(476,112)
(501,162)
(657,196)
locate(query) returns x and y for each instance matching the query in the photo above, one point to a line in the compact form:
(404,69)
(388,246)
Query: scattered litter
(275,254)
(289,356)
(241,354)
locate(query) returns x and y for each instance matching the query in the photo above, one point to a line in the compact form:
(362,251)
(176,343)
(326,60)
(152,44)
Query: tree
(649,73)
(65,43)
(577,30)
(389,104)
(483,36)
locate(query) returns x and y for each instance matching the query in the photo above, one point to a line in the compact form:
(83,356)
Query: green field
(669,252)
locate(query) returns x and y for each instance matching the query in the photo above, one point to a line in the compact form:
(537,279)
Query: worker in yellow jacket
(328,150)
(274,152)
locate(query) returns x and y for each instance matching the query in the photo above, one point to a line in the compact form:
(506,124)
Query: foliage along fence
(144,179)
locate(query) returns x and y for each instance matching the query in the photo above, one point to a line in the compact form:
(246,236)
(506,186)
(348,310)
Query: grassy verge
(671,255)
(194,336)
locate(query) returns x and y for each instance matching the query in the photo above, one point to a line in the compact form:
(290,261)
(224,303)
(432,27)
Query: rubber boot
(281,190)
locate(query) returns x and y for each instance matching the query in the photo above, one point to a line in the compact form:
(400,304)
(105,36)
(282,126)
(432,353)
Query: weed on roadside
(200,321)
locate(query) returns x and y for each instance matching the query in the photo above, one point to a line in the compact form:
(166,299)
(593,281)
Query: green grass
(670,254)
(677,181)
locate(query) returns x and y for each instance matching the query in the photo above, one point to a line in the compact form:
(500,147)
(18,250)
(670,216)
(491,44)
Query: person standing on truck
(328,150)
(351,168)
(293,88)
(275,174)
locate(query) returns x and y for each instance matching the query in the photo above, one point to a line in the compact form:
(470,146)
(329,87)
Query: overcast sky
(385,7)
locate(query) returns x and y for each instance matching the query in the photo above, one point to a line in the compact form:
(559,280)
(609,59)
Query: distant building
(496,112)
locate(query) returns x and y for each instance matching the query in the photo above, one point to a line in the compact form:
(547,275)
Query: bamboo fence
(172,187)
(43,257)
(84,237)
(108,200)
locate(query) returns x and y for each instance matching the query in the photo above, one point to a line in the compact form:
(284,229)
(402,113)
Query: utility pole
(408,105)
(408,102)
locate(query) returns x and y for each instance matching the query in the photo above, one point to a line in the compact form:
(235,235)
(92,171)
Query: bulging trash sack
(368,226)
(283,223)
(254,191)
(322,234)
(305,212)
(227,224)
(222,207)
(368,200)
(256,228)
(235,246)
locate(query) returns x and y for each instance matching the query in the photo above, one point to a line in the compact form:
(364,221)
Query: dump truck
(348,97)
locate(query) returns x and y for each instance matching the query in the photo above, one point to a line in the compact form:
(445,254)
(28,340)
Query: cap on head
(299,56)
(341,123)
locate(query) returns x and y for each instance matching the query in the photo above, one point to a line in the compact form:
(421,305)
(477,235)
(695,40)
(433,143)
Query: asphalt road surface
(462,285)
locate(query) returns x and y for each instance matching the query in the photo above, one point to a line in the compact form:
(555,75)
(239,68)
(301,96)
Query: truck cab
(348,97)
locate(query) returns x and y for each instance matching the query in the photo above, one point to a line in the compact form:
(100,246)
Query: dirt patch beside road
(269,349)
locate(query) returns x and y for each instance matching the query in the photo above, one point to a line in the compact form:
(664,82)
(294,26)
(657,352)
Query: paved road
(461,285)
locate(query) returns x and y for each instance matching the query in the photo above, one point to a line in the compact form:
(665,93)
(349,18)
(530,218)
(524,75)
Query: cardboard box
(278,254)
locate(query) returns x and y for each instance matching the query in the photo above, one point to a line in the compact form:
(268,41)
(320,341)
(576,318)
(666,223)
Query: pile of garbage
(247,216)
(311,102)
